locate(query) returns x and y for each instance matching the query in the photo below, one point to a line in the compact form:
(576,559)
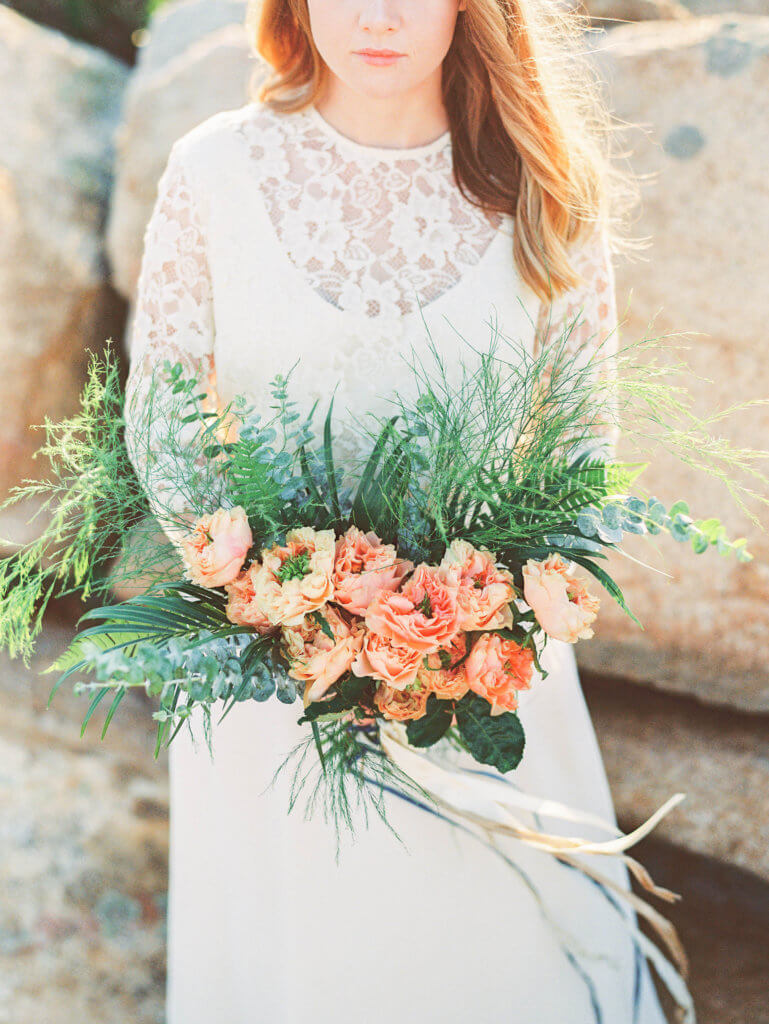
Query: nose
(379,16)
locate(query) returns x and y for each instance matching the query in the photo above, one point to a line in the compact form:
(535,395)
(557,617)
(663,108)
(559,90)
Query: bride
(410,166)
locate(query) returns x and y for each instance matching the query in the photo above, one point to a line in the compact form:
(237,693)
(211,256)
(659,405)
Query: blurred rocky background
(93,95)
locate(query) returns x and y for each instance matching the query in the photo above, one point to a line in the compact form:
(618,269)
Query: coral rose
(242,607)
(484,592)
(563,607)
(295,579)
(382,658)
(401,705)
(362,567)
(440,675)
(422,614)
(215,549)
(496,669)
(314,657)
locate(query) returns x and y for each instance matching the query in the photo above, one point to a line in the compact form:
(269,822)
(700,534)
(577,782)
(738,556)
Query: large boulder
(181,24)
(610,12)
(655,745)
(702,7)
(61,105)
(111,26)
(701,90)
(187,43)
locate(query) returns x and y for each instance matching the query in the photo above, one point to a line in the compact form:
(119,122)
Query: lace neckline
(360,150)
(375,236)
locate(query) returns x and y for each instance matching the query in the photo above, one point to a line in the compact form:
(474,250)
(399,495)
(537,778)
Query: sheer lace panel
(589,312)
(173,320)
(365,226)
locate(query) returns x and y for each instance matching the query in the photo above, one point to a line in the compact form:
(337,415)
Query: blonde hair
(531,136)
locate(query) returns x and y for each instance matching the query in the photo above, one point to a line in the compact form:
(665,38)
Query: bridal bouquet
(406,595)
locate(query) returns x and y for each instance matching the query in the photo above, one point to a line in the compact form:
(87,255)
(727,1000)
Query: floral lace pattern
(173,320)
(367,227)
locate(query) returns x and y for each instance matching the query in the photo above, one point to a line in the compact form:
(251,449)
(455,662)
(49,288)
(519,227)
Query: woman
(357,202)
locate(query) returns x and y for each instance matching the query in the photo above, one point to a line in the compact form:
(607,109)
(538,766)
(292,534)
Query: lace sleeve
(173,320)
(589,313)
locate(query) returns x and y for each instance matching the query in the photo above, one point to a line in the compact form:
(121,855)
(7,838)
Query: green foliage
(352,692)
(93,500)
(267,478)
(433,726)
(350,774)
(609,522)
(497,740)
(383,486)
(507,452)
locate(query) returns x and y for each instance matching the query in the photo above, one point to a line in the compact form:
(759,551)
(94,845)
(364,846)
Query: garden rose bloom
(363,566)
(496,669)
(445,681)
(242,606)
(401,705)
(394,663)
(314,657)
(561,604)
(215,549)
(422,615)
(484,592)
(295,579)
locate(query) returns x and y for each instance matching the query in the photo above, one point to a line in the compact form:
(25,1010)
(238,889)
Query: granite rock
(61,106)
(188,44)
(701,89)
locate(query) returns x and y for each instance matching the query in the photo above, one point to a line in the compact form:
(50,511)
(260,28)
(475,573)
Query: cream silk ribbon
(492,805)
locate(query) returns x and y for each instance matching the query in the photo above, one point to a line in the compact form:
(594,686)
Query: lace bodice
(275,238)
(364,225)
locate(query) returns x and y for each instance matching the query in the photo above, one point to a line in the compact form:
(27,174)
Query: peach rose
(363,566)
(401,705)
(563,607)
(383,658)
(484,592)
(242,607)
(422,614)
(295,579)
(440,676)
(497,668)
(215,549)
(314,657)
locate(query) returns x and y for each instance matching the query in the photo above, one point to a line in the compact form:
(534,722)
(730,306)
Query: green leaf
(425,731)
(700,544)
(309,479)
(254,654)
(319,746)
(113,708)
(92,707)
(496,740)
(350,693)
(366,493)
(606,581)
(328,456)
(324,624)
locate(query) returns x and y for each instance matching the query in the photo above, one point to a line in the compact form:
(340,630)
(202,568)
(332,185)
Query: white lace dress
(273,239)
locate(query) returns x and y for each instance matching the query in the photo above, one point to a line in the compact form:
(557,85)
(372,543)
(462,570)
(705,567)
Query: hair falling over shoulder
(531,134)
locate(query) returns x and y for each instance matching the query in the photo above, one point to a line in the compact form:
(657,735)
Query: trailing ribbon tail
(490,803)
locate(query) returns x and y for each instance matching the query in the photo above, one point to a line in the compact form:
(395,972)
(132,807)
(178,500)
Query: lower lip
(371,59)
